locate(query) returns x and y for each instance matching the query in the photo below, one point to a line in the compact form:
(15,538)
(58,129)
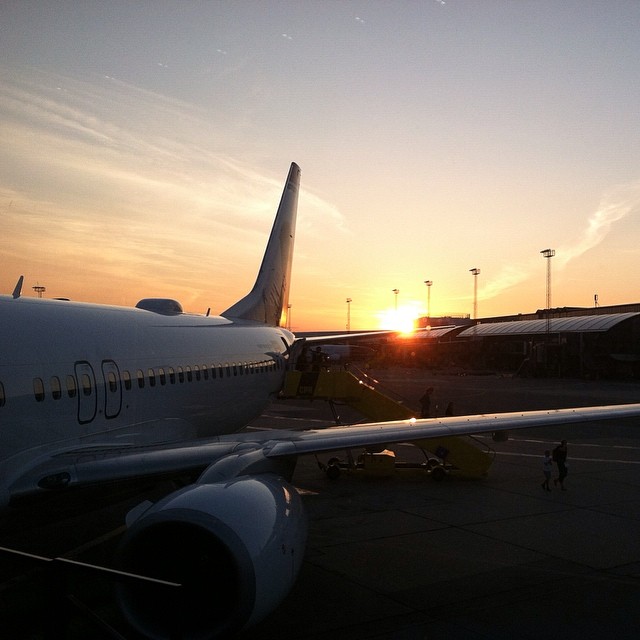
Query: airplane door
(112,389)
(87,392)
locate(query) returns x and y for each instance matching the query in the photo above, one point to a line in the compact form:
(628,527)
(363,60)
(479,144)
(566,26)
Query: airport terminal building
(599,342)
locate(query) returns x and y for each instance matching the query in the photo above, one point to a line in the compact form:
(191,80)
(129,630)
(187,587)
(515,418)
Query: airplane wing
(240,454)
(316,338)
(86,466)
(379,433)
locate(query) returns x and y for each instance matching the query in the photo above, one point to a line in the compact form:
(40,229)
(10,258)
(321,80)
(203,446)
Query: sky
(144,146)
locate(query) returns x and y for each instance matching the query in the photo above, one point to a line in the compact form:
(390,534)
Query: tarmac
(407,558)
(491,558)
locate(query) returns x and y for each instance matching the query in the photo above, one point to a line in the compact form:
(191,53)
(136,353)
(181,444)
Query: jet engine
(234,547)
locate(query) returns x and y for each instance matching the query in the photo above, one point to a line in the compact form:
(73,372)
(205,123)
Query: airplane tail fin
(268,301)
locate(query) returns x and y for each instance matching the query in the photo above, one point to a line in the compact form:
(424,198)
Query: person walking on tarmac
(560,458)
(547,469)
(425,403)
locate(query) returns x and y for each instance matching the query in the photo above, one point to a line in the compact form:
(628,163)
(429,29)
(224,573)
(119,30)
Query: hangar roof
(571,324)
(435,332)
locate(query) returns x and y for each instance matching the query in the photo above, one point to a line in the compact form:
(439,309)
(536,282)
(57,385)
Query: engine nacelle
(236,547)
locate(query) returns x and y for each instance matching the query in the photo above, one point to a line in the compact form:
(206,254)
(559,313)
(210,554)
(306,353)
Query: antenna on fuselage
(18,288)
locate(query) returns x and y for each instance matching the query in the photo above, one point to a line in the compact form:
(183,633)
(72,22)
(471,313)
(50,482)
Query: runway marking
(287,418)
(535,455)
(291,419)
(572,444)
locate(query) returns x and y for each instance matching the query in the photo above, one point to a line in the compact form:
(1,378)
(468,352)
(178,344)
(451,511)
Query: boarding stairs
(358,390)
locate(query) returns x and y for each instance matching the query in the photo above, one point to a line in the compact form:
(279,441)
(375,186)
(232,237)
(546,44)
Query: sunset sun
(402,319)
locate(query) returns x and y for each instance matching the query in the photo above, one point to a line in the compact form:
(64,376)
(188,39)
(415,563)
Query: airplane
(94,394)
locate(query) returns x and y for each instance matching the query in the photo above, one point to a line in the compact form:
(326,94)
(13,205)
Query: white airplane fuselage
(79,375)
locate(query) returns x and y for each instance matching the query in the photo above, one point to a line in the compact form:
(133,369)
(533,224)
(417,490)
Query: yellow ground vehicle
(461,455)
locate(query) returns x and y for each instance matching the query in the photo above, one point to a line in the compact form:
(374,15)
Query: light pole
(548,254)
(39,289)
(349,314)
(428,283)
(396,292)
(476,273)
(289,316)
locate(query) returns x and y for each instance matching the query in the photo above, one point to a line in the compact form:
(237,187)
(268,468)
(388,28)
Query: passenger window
(86,384)
(2,396)
(152,378)
(213,372)
(71,387)
(56,389)
(180,374)
(38,389)
(140,379)
(189,374)
(196,371)
(172,375)
(221,370)
(126,376)
(112,382)
(205,372)
(162,375)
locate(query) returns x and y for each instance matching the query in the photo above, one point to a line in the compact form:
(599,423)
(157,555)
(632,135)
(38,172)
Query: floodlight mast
(548,253)
(475,272)
(428,283)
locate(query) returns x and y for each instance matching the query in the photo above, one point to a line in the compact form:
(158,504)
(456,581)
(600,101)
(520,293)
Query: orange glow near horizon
(403,319)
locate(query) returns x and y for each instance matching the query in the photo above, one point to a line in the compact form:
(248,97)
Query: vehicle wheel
(333,472)
(438,474)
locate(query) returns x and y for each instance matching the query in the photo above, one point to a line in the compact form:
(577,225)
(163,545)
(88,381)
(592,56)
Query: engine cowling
(236,547)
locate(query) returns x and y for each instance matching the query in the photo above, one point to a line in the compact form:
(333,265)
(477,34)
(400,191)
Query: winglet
(17,291)
(268,301)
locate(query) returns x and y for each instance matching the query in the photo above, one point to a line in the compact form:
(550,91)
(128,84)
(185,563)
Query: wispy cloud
(133,186)
(617,204)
